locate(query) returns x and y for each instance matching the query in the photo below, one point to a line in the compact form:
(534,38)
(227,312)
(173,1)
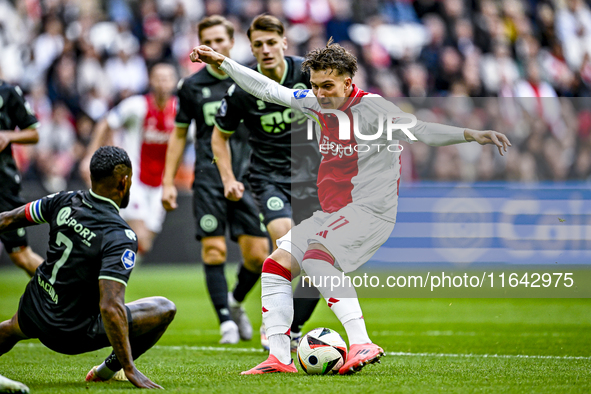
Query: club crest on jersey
(300,94)
(128,259)
(275,204)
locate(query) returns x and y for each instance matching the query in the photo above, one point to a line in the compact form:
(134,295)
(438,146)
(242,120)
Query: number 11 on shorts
(340,222)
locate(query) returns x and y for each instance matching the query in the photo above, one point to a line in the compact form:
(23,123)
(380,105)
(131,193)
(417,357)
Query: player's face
(268,47)
(217,38)
(163,80)
(330,89)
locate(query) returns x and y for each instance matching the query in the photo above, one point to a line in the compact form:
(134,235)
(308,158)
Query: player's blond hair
(332,57)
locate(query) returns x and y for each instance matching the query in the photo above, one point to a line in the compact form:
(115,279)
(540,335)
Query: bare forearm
(221,154)
(174,154)
(14,219)
(27,136)
(114,316)
(115,321)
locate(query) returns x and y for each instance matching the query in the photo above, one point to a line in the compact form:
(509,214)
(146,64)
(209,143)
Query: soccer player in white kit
(146,122)
(358,192)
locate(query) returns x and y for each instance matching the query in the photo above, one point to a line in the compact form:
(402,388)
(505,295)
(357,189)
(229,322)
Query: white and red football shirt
(349,173)
(147,129)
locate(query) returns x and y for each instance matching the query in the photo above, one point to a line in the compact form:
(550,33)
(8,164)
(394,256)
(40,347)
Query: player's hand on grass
(204,54)
(169,195)
(233,190)
(488,137)
(138,379)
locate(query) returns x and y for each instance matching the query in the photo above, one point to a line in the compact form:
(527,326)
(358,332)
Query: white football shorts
(145,204)
(351,235)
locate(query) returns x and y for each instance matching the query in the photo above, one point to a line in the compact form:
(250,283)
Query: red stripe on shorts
(318,254)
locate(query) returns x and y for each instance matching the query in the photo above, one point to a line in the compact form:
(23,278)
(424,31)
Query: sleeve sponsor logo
(223,108)
(300,94)
(128,259)
(131,235)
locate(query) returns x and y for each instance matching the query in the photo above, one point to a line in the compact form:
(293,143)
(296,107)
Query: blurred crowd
(75,59)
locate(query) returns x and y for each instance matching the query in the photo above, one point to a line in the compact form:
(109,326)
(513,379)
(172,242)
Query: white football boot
(230,334)
(12,386)
(240,317)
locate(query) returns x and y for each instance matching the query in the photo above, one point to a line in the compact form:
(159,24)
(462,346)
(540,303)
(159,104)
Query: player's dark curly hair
(105,160)
(334,57)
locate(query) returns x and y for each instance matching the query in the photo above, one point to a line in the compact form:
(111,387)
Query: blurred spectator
(573,29)
(77,59)
(127,71)
(55,158)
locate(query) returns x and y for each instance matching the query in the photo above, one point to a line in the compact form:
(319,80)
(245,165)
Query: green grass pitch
(433,345)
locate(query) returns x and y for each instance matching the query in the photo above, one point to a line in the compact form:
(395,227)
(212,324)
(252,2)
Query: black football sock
(305,299)
(218,290)
(112,362)
(246,281)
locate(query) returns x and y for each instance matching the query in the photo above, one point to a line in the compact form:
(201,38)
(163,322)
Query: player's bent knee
(166,309)
(213,251)
(214,257)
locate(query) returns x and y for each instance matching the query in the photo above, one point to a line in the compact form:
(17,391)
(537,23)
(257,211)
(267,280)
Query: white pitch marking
(403,354)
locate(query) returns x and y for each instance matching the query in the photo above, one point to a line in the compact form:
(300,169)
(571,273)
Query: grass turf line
(435,345)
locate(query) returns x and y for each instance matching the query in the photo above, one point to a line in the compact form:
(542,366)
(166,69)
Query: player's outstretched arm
(15,219)
(174,154)
(488,137)
(114,314)
(251,81)
(233,190)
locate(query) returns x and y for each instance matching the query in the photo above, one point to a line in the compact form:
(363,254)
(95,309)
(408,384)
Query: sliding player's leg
(24,257)
(148,319)
(10,334)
